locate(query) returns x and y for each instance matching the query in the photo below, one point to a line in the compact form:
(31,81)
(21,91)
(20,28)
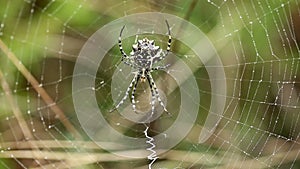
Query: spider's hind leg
(133,92)
(153,96)
(133,83)
(154,88)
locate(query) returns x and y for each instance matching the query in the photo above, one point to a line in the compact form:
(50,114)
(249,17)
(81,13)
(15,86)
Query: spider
(143,56)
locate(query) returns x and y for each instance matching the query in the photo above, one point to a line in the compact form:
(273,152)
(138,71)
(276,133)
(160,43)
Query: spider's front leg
(162,55)
(133,83)
(120,44)
(125,58)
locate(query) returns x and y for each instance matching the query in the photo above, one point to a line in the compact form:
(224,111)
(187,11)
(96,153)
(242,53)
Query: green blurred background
(257,41)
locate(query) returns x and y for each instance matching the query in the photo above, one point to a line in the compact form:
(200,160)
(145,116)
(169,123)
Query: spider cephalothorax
(142,58)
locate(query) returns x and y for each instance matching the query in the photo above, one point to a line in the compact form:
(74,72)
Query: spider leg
(133,92)
(162,55)
(153,95)
(125,58)
(154,88)
(133,82)
(170,38)
(120,44)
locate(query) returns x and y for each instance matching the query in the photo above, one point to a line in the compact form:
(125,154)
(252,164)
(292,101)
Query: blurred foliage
(256,40)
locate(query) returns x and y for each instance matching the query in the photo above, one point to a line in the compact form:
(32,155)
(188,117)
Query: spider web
(257,42)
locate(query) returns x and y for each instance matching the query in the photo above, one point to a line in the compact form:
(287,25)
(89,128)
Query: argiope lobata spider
(143,56)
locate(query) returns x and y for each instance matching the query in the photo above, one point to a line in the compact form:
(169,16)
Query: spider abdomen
(144,53)
(146,58)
